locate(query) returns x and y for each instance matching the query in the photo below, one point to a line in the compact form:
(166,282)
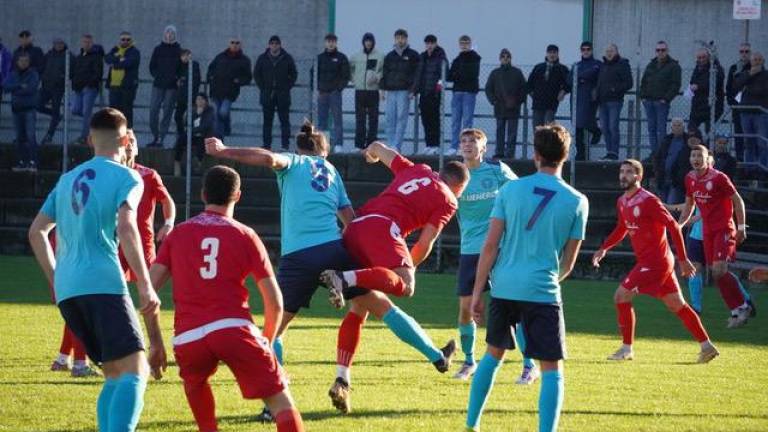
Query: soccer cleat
(339,394)
(740,316)
(753,309)
(622,354)
(529,376)
(466,371)
(59,367)
(334,281)
(84,372)
(708,354)
(448,351)
(265,416)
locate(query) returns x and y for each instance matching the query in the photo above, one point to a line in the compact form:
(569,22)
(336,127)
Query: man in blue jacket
(123,76)
(5,67)
(22,84)
(587,70)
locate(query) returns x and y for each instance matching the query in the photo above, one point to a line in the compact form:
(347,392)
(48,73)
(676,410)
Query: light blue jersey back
(84,205)
(697,227)
(541,213)
(311,192)
(476,203)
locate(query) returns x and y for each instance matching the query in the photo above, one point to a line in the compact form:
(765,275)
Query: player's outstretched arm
(38,240)
(741,217)
(687,211)
(617,235)
(250,156)
(169,215)
(273,306)
(377,151)
(421,250)
(128,234)
(487,259)
(568,260)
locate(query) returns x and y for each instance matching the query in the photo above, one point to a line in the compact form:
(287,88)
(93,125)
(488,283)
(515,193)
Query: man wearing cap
(547,85)
(275,74)
(34,53)
(53,83)
(332,77)
(164,67)
(430,88)
(366,68)
(123,76)
(587,71)
(464,73)
(399,80)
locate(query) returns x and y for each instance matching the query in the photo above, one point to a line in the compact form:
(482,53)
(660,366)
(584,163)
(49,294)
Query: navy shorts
(106,324)
(299,273)
(466,277)
(695,249)
(543,327)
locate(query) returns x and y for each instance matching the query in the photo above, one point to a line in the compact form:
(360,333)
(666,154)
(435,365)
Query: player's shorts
(106,324)
(720,246)
(466,277)
(543,327)
(652,281)
(375,241)
(299,272)
(695,250)
(246,353)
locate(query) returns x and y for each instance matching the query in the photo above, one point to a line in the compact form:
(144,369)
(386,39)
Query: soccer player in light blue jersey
(475,205)
(93,206)
(537,226)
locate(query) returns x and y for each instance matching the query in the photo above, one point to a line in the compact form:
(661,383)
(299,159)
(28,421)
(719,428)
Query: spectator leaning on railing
(181,95)
(6,60)
(399,82)
(659,86)
(613,82)
(228,71)
(86,71)
(464,73)
(275,74)
(164,67)
(740,66)
(22,84)
(699,85)
(505,90)
(332,76)
(123,76)
(587,71)
(366,69)
(53,84)
(547,85)
(430,88)
(671,164)
(27,47)
(753,85)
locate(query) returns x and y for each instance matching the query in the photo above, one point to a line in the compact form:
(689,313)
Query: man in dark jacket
(123,76)
(366,69)
(505,90)
(228,71)
(430,89)
(399,81)
(740,66)
(275,74)
(332,76)
(182,82)
(658,87)
(613,82)
(22,84)
(724,161)
(464,73)
(6,64)
(587,70)
(27,47)
(753,85)
(52,91)
(547,84)
(699,85)
(164,68)
(86,72)
(671,164)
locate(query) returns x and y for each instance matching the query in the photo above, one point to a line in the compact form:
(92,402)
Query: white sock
(626,347)
(706,344)
(80,363)
(343,373)
(62,359)
(351,277)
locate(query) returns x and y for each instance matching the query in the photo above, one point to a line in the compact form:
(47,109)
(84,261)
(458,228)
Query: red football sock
(692,322)
(66,341)
(200,398)
(626,317)
(349,338)
(289,420)
(381,279)
(729,289)
(78,348)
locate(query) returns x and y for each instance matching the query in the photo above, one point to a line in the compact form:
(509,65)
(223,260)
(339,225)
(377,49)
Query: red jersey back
(645,219)
(154,191)
(712,194)
(209,257)
(414,198)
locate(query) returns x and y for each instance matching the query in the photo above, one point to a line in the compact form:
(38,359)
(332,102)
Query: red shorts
(375,241)
(652,281)
(149,258)
(720,246)
(249,357)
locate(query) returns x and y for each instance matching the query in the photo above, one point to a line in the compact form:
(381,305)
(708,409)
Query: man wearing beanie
(547,85)
(366,69)
(163,66)
(275,74)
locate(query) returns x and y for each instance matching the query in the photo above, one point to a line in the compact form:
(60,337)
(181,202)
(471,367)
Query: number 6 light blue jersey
(476,203)
(541,213)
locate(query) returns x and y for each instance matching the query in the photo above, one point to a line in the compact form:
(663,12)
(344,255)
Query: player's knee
(279,402)
(719,270)
(408,289)
(496,352)
(465,314)
(622,295)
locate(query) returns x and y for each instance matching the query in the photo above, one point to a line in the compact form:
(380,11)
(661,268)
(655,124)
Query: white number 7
(210,271)
(412,186)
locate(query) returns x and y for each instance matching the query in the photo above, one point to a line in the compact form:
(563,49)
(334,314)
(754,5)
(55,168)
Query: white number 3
(412,186)
(210,244)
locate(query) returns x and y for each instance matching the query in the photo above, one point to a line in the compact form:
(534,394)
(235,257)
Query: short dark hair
(331,37)
(661,42)
(185,51)
(311,140)
(87,36)
(108,119)
(634,163)
(220,185)
(552,143)
(401,32)
(430,38)
(465,38)
(454,173)
(202,95)
(25,33)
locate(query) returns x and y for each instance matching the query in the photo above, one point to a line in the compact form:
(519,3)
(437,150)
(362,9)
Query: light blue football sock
(551,400)
(467,334)
(695,290)
(277,347)
(744,291)
(103,403)
(410,332)
(127,403)
(520,339)
(482,382)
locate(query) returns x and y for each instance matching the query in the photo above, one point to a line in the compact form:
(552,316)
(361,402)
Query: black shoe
(596,135)
(265,416)
(339,394)
(448,351)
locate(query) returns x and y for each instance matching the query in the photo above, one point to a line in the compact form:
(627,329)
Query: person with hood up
(658,87)
(123,76)
(229,70)
(464,73)
(433,67)
(505,90)
(275,75)
(164,67)
(52,91)
(332,76)
(613,82)
(366,69)
(400,82)
(547,85)
(85,72)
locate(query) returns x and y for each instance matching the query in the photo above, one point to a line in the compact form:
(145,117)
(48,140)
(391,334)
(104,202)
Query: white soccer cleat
(528,376)
(622,354)
(708,354)
(334,281)
(740,316)
(466,371)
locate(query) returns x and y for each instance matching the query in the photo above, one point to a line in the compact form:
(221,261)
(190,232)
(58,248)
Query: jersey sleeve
(49,206)
(160,191)
(726,186)
(655,209)
(506,173)
(443,214)
(261,267)
(400,163)
(130,191)
(579,227)
(164,254)
(292,161)
(343,198)
(498,206)
(618,233)
(688,186)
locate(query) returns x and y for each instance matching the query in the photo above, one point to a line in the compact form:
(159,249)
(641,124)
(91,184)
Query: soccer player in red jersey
(717,199)
(154,192)
(209,257)
(642,215)
(417,198)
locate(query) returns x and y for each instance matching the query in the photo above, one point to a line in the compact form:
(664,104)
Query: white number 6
(210,244)
(412,186)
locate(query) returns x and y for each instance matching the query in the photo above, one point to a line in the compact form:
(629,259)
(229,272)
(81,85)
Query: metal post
(416,114)
(574,115)
(65,134)
(311,102)
(712,93)
(441,159)
(638,153)
(190,114)
(525,129)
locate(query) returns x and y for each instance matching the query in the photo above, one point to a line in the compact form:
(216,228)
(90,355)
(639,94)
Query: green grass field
(394,389)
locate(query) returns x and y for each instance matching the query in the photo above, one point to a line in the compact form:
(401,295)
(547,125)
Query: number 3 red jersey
(712,194)
(209,257)
(414,198)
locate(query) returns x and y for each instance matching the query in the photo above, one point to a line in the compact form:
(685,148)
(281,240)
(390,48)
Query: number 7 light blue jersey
(541,213)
